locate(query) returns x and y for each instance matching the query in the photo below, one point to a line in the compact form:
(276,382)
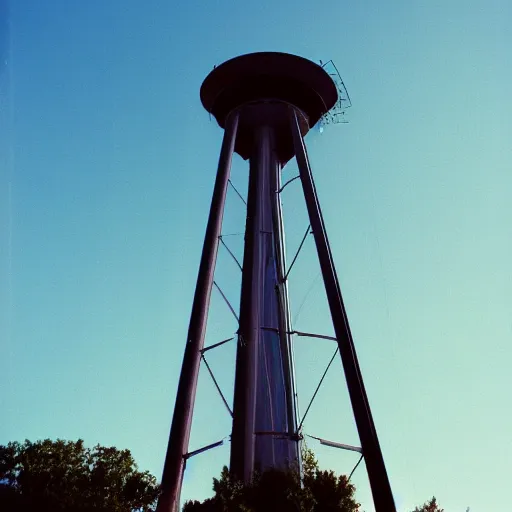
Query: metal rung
(215,345)
(310,335)
(338,445)
(303,334)
(204,449)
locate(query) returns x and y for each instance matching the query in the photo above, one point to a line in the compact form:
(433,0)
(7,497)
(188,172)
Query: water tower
(266,103)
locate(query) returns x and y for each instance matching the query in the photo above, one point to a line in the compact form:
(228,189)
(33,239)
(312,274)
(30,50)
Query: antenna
(336,114)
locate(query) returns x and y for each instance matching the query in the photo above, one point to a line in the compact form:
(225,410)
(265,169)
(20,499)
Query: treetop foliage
(429,506)
(281,491)
(65,476)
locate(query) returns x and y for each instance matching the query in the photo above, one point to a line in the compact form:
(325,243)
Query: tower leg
(182,419)
(377,475)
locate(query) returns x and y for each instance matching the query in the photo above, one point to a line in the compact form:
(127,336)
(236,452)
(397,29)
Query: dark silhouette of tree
(281,491)
(65,476)
(429,506)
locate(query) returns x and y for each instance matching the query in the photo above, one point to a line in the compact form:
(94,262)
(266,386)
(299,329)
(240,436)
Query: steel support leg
(379,482)
(182,419)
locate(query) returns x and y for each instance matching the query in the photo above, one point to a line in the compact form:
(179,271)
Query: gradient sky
(107,164)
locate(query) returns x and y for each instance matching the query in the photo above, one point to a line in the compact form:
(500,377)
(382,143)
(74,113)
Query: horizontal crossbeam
(215,345)
(311,335)
(303,334)
(337,445)
(204,449)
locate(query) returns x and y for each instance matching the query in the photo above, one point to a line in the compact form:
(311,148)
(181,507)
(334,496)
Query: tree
(330,492)
(429,506)
(281,491)
(65,476)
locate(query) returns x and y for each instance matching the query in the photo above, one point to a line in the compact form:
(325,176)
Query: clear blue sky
(107,164)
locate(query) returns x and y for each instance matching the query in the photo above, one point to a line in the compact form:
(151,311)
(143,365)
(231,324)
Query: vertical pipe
(284,314)
(244,402)
(377,475)
(182,419)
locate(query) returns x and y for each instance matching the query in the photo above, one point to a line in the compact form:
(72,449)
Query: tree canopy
(429,506)
(281,491)
(65,476)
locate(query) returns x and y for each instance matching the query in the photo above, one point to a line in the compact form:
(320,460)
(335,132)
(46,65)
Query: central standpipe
(264,409)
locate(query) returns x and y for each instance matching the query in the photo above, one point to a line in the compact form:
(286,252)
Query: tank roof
(269,75)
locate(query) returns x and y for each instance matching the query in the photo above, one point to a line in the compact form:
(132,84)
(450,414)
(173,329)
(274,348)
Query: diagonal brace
(288,182)
(316,390)
(237,193)
(226,301)
(217,385)
(308,230)
(230,253)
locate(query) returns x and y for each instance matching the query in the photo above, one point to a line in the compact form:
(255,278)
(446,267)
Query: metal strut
(231,254)
(287,183)
(299,333)
(226,300)
(237,193)
(177,447)
(204,449)
(215,345)
(316,390)
(377,474)
(337,445)
(342,446)
(355,467)
(298,252)
(310,335)
(217,385)
(284,319)
(308,291)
